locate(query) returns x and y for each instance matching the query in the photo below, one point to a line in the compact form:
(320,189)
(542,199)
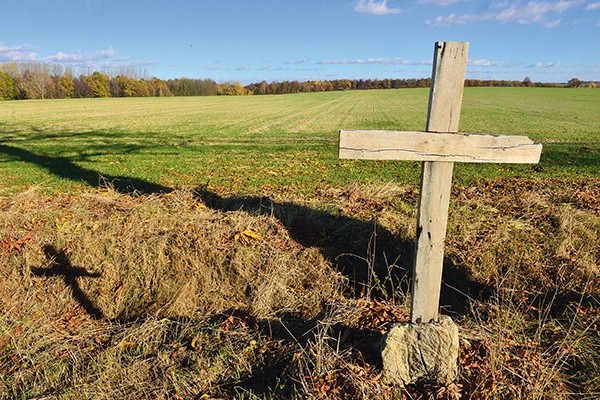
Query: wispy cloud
(107,58)
(81,58)
(380,60)
(455,19)
(439,2)
(308,69)
(272,68)
(375,7)
(544,65)
(17,53)
(532,12)
(301,61)
(593,6)
(481,62)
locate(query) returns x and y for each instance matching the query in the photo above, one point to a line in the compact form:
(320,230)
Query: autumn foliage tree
(66,86)
(231,89)
(7,86)
(98,84)
(129,87)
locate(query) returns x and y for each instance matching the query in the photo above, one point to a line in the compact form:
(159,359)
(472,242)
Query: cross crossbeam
(438,148)
(427,146)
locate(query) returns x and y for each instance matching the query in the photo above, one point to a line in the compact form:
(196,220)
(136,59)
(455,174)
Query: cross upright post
(443,115)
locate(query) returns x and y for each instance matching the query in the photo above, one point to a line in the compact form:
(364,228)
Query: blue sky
(226,40)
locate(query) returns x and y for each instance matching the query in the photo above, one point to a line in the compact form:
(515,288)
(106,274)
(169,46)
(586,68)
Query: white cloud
(17,53)
(544,65)
(484,63)
(375,8)
(552,23)
(379,60)
(454,19)
(532,12)
(593,6)
(439,2)
(271,69)
(102,59)
(301,61)
(308,69)
(79,57)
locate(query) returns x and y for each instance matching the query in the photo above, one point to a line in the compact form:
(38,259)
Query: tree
(7,86)
(527,82)
(130,87)
(159,88)
(231,89)
(262,88)
(66,86)
(574,82)
(35,84)
(98,84)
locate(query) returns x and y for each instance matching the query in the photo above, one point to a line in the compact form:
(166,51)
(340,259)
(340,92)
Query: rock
(421,352)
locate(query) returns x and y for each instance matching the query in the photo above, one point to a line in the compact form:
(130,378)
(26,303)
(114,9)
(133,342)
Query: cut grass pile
(194,294)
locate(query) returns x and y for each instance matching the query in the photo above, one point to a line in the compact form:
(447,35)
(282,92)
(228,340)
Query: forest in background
(34,80)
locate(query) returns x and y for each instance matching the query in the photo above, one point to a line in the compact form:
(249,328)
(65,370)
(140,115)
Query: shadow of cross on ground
(61,267)
(66,168)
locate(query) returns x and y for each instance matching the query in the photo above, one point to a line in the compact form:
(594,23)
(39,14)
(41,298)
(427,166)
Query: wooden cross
(438,148)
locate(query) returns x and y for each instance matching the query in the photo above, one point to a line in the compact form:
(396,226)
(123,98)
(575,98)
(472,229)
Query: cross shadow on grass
(65,168)
(61,267)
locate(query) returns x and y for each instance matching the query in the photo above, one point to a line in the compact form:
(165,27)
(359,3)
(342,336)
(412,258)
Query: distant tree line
(34,80)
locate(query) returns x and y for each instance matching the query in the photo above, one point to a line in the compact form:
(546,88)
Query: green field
(263,143)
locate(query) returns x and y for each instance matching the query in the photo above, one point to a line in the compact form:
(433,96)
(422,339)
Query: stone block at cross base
(421,353)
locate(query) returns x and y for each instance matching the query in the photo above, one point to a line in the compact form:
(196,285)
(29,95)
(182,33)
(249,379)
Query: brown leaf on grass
(247,236)
(451,392)
(379,315)
(9,244)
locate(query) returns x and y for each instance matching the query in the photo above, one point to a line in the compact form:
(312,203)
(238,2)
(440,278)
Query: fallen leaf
(247,236)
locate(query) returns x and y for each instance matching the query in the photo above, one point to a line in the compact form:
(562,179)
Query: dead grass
(192,295)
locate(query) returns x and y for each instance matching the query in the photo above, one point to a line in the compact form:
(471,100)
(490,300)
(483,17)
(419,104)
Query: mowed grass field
(217,248)
(251,144)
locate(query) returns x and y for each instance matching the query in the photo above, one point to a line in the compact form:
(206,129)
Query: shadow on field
(61,267)
(64,167)
(579,155)
(277,372)
(375,261)
(368,254)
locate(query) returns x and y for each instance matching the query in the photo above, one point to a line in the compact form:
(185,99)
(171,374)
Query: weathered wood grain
(447,83)
(432,219)
(448,147)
